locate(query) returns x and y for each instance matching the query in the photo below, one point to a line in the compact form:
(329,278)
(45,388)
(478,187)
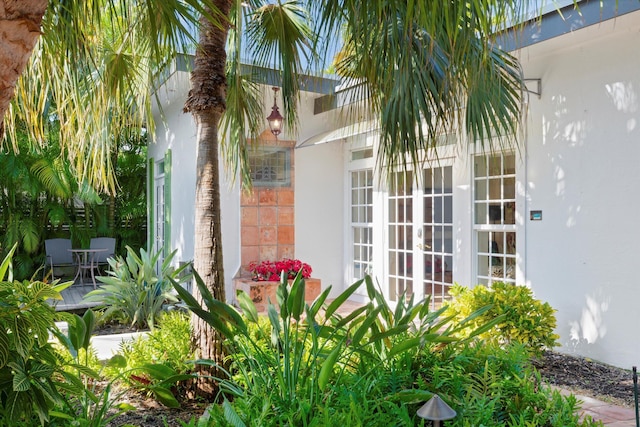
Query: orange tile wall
(267,218)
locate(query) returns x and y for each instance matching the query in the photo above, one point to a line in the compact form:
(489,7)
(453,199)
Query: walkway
(610,415)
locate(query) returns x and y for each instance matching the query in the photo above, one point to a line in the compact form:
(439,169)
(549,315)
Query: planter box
(261,292)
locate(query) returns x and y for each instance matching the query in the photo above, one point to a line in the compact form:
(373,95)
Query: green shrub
(169,344)
(87,401)
(525,320)
(132,292)
(375,366)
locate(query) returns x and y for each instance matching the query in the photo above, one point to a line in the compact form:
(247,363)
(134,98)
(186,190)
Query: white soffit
(339,134)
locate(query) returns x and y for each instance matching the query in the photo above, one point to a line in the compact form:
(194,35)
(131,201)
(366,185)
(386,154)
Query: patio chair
(108,243)
(58,255)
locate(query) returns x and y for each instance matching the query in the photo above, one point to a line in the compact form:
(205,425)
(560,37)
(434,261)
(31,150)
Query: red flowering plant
(270,270)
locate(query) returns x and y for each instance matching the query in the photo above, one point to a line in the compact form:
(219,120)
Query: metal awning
(339,134)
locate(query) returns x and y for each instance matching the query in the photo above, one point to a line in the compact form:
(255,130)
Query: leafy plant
(494,385)
(169,343)
(28,362)
(86,402)
(159,360)
(526,320)
(39,192)
(133,292)
(309,365)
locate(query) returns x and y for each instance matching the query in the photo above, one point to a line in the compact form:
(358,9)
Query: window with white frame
(362,222)
(495,225)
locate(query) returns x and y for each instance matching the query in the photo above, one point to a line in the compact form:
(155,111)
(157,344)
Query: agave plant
(133,291)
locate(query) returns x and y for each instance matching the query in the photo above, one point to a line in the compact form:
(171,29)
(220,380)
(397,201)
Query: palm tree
(277,34)
(92,70)
(428,69)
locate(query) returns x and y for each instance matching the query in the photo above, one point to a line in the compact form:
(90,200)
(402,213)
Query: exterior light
(275,118)
(436,410)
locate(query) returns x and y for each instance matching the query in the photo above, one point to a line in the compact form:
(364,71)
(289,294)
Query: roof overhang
(564,20)
(340,134)
(323,85)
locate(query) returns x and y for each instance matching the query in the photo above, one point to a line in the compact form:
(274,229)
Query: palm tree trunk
(19,30)
(207,103)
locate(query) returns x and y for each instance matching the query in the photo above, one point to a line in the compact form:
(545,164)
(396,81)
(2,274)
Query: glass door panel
(400,255)
(437,230)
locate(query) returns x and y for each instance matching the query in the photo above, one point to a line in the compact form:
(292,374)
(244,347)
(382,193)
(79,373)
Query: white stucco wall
(319,195)
(177,131)
(583,148)
(319,212)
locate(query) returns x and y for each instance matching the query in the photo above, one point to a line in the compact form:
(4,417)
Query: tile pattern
(267,219)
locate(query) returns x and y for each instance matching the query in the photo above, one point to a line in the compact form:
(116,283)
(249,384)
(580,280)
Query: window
(270,166)
(495,207)
(362,222)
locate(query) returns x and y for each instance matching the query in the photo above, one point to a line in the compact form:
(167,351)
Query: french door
(419,252)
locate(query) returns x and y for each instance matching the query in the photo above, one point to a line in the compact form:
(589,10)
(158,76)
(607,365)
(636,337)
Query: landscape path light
(436,410)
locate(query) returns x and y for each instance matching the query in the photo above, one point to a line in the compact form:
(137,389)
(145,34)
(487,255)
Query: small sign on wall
(535,215)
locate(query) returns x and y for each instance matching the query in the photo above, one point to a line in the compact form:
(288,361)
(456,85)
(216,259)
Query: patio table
(86,260)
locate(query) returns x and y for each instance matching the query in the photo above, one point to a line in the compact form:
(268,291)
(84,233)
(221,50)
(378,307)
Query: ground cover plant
(304,364)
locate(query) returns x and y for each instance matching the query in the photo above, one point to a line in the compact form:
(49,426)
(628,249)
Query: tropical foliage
(93,69)
(427,69)
(314,364)
(424,68)
(28,362)
(133,292)
(169,343)
(41,198)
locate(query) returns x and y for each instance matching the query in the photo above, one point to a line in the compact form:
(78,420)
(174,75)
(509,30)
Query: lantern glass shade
(275,121)
(275,118)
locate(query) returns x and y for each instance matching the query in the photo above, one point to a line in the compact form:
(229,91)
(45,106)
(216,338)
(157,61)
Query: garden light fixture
(436,410)
(275,118)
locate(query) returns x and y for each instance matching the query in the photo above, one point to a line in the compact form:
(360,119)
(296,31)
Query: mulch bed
(585,377)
